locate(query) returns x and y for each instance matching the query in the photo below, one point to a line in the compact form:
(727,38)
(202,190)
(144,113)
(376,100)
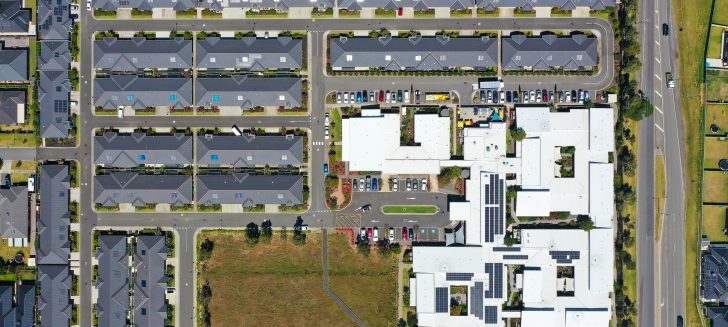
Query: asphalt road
(661,265)
(186,225)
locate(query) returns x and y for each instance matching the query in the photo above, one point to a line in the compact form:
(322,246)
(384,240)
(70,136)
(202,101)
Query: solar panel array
(495,280)
(491,314)
(459,276)
(493,210)
(515,257)
(441,299)
(476,300)
(564,257)
(506,249)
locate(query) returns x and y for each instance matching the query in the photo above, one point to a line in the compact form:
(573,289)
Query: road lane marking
(658,60)
(660,128)
(658,77)
(658,109)
(658,94)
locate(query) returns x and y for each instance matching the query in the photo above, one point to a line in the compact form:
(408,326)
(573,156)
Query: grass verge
(660,189)
(410,210)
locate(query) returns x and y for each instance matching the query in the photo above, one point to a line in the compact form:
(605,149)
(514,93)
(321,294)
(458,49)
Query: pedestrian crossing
(319,143)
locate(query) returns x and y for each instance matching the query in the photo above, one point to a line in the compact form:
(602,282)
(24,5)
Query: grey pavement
(374,217)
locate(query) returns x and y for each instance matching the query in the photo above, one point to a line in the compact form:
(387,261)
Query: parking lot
(532,96)
(419,183)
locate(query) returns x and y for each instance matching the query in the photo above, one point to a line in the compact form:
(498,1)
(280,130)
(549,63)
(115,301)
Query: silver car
(361,185)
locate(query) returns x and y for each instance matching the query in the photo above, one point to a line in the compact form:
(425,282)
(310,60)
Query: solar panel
(490,314)
(441,299)
(498,281)
(564,257)
(506,249)
(515,257)
(476,300)
(493,209)
(459,276)
(489,271)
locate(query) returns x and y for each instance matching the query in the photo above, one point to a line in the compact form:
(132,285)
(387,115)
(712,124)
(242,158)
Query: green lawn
(17,139)
(410,210)
(714,43)
(335,117)
(721,11)
(343,13)
(716,114)
(715,187)
(715,150)
(717,88)
(714,217)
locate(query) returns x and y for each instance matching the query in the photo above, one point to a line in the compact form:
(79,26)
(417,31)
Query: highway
(661,264)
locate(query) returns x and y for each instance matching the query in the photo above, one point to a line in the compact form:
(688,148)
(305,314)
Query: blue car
(326,169)
(374,184)
(358,97)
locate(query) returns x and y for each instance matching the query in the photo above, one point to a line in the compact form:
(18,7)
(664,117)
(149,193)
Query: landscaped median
(409,210)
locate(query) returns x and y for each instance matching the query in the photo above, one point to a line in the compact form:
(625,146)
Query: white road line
(658,60)
(658,109)
(660,128)
(658,77)
(657,42)
(658,94)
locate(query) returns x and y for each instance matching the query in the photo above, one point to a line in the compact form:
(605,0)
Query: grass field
(715,187)
(693,18)
(281,284)
(357,286)
(335,125)
(716,114)
(714,42)
(660,192)
(24,165)
(717,86)
(721,11)
(17,140)
(409,210)
(630,275)
(714,222)
(715,150)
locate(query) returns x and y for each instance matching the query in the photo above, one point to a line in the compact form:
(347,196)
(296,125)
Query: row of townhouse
(54,64)
(17,25)
(440,53)
(285,5)
(114,281)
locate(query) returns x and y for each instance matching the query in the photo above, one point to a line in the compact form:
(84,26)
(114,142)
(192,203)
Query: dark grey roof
(53,95)
(7,311)
(112,5)
(249,150)
(562,4)
(150,307)
(14,207)
(9,102)
(137,189)
(715,274)
(249,190)
(549,51)
(249,53)
(124,55)
(137,149)
(54,219)
(414,53)
(26,304)
(718,316)
(54,55)
(13,64)
(54,303)
(281,5)
(13,18)
(414,4)
(248,92)
(142,92)
(112,281)
(54,19)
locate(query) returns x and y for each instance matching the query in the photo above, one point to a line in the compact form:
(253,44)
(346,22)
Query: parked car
(88,5)
(352,96)
(502,96)
(369,183)
(568,96)
(406,96)
(338,97)
(8,180)
(414,184)
(399,96)
(533,96)
(371,96)
(424,184)
(358,97)
(417,96)
(586,96)
(391,234)
(665,29)
(411,233)
(394,97)
(355,184)
(561,96)
(370,233)
(525,97)
(361,185)
(31,183)
(381,95)
(120,112)
(409,185)
(515,97)
(375,237)
(386,98)
(581,96)
(508,96)
(551,96)
(326,169)
(538,96)
(374,184)
(573,96)
(364,97)
(395,185)
(404,234)
(326,133)
(346,97)
(327,120)
(363,234)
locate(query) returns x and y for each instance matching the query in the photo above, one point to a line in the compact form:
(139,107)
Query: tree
(585,223)
(206,249)
(637,108)
(266,230)
(449,174)
(363,248)
(252,234)
(518,134)
(628,161)
(299,237)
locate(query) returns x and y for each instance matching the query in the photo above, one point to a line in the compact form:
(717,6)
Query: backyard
(716,114)
(714,217)
(715,187)
(280,283)
(720,16)
(717,85)
(714,42)
(715,150)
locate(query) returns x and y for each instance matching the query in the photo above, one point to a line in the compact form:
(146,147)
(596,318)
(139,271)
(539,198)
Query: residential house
(55,219)
(715,274)
(718,316)
(416,53)
(249,53)
(7,310)
(417,5)
(26,304)
(528,5)
(548,52)
(12,107)
(112,281)
(141,92)
(15,19)
(249,190)
(138,53)
(14,206)
(278,5)
(140,190)
(143,5)
(13,64)
(54,55)
(249,150)
(248,92)
(150,283)
(54,17)
(112,149)
(54,303)
(53,96)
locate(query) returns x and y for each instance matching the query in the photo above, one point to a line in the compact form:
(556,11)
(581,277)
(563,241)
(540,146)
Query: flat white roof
(532,285)
(576,318)
(533,119)
(542,319)
(440,259)
(531,163)
(601,193)
(601,259)
(601,129)
(425,293)
(367,140)
(533,203)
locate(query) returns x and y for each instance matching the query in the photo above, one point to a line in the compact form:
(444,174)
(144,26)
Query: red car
(404,233)
(381,95)
(369,233)
(545,95)
(399,12)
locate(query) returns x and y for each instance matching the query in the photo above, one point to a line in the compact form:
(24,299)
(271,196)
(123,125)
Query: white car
(361,185)
(326,133)
(375,238)
(391,234)
(424,184)
(88,5)
(533,96)
(120,112)
(502,97)
(395,185)
(31,183)
(363,233)
(406,96)
(327,121)
(338,97)
(346,97)
(568,96)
